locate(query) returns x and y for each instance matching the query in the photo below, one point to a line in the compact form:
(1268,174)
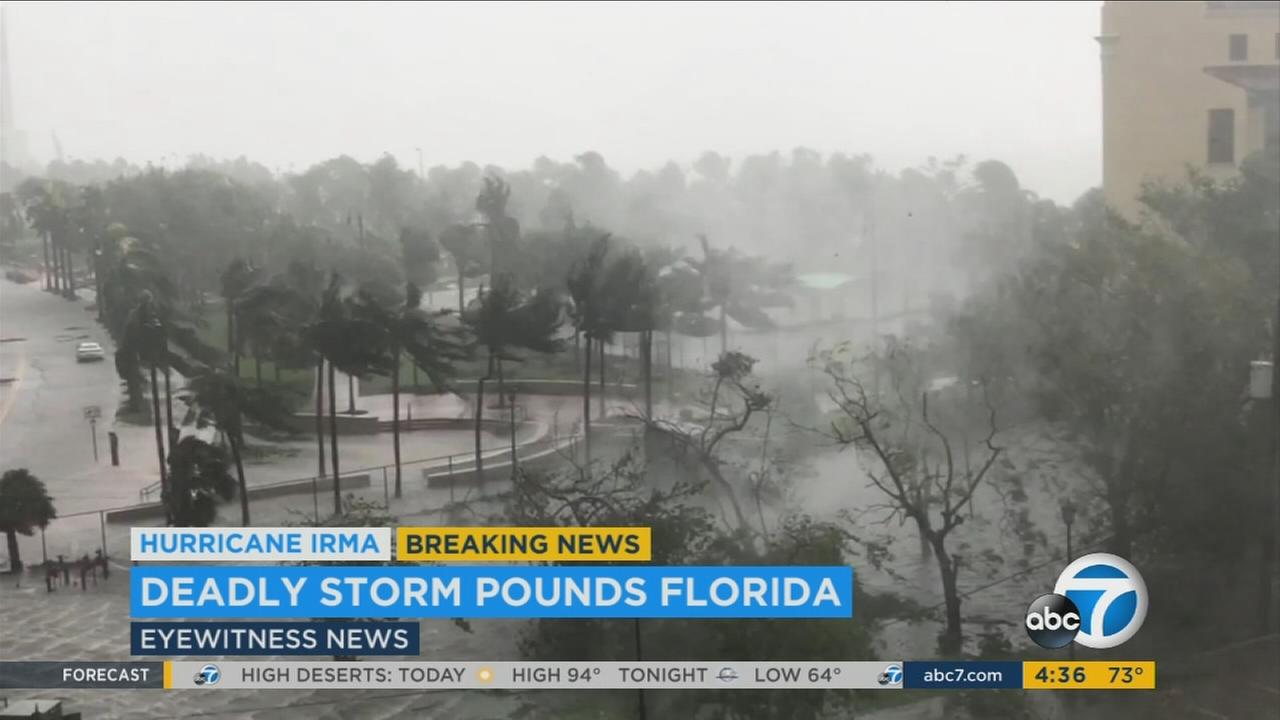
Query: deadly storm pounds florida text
(549,591)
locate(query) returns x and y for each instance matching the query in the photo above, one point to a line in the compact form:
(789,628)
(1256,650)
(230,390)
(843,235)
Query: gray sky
(289,85)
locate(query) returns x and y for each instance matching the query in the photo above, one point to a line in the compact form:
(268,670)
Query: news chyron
(369,574)
(211,595)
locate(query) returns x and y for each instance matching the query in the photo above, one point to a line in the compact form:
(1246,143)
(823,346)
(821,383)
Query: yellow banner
(1089,675)
(597,544)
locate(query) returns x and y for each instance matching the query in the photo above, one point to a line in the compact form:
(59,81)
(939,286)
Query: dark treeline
(814,211)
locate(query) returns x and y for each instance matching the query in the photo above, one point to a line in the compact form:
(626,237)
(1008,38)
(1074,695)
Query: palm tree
(236,279)
(740,287)
(502,230)
(145,345)
(220,399)
(290,303)
(634,306)
(469,257)
(43,204)
(591,318)
(24,506)
(431,346)
(199,477)
(503,320)
(348,343)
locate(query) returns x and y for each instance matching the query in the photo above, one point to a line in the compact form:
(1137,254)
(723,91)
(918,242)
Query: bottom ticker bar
(469,675)
(536,676)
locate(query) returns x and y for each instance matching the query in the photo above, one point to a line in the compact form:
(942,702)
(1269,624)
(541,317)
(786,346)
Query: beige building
(1185,83)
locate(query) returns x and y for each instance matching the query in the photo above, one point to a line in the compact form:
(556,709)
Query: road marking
(13,386)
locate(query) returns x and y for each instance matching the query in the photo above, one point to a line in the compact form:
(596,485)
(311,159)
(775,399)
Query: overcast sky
(289,85)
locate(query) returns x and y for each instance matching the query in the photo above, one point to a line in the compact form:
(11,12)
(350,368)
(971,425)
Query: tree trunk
(48,270)
(724,331)
(233,348)
(99,300)
(479,420)
(951,635)
(156,420)
(602,408)
(586,402)
(646,365)
(168,410)
(351,394)
(235,442)
(15,560)
(577,350)
(333,439)
(670,371)
(71,274)
(395,416)
(57,266)
(461,305)
(320,419)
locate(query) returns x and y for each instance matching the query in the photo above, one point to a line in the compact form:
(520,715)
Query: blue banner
(273,638)
(961,675)
(356,591)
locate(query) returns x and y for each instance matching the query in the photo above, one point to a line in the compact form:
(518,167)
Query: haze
(290,85)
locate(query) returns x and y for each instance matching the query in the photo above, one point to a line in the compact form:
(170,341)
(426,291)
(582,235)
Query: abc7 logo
(1099,601)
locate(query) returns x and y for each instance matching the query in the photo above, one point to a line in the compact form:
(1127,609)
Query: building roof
(825,281)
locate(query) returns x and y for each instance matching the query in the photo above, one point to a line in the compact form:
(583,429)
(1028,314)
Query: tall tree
(504,321)
(200,477)
(235,280)
(221,400)
(145,344)
(913,457)
(431,345)
(590,313)
(24,506)
(470,256)
(741,287)
(348,343)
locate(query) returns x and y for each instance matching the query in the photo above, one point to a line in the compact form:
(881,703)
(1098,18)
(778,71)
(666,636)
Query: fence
(79,534)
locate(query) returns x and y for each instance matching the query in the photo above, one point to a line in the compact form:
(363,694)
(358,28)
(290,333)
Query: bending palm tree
(348,343)
(221,399)
(432,347)
(502,321)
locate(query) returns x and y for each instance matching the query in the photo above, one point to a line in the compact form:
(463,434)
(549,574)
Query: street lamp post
(1264,388)
(1068,518)
(511,401)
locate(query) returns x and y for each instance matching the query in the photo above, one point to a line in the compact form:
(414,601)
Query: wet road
(42,401)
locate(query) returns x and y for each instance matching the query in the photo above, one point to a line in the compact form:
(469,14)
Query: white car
(90,352)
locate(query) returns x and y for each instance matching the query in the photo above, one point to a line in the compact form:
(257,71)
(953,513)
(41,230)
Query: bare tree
(914,463)
(731,402)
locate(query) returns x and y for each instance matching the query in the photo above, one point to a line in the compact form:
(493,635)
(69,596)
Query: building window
(1239,48)
(1222,136)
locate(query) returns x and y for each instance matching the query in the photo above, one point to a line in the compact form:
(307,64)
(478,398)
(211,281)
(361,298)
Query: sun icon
(484,675)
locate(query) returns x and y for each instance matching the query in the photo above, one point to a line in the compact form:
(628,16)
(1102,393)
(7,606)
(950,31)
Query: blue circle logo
(1110,595)
(892,675)
(208,675)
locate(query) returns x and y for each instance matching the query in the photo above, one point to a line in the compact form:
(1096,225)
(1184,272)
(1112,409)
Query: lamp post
(511,401)
(1068,509)
(1263,380)
(1069,518)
